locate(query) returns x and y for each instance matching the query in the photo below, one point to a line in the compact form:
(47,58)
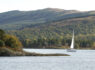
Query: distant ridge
(42,15)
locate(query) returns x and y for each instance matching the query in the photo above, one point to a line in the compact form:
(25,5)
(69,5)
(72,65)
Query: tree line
(57,43)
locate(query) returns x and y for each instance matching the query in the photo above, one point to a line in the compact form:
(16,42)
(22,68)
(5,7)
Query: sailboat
(72,45)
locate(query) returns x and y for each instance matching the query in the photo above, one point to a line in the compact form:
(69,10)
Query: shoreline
(39,54)
(8,52)
(62,48)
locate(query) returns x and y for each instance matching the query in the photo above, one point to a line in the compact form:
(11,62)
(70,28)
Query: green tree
(2,33)
(13,42)
(2,44)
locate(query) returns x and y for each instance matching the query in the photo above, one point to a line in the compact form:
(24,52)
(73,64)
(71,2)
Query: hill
(20,19)
(49,24)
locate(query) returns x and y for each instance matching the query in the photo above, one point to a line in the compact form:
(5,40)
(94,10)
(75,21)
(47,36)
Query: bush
(13,42)
(10,42)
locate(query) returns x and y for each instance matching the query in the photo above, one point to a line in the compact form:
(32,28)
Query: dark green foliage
(57,43)
(10,42)
(2,44)
(2,33)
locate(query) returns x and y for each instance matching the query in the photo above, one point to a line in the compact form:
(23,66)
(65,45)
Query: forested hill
(50,27)
(12,20)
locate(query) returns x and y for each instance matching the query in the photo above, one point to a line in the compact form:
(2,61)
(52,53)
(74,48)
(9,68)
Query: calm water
(80,60)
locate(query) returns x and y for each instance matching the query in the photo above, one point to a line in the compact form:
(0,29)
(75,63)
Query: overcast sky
(25,5)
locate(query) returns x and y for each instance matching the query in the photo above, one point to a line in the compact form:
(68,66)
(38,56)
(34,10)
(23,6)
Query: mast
(72,43)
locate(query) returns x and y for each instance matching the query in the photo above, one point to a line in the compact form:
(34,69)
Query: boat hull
(71,50)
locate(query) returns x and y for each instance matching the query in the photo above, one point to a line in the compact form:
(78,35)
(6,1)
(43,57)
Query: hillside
(49,24)
(20,19)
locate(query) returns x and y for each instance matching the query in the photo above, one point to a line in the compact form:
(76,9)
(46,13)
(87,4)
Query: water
(80,60)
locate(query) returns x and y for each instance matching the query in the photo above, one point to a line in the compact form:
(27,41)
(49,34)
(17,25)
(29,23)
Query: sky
(27,5)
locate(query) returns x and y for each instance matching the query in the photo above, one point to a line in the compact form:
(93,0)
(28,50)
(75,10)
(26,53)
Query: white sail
(72,43)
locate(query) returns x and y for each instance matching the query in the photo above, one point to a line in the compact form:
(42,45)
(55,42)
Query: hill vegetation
(50,28)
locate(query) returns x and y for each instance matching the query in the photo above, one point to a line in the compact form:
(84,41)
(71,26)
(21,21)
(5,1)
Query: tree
(2,33)
(2,43)
(13,42)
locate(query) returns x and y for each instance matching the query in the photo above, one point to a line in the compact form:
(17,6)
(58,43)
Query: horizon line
(45,8)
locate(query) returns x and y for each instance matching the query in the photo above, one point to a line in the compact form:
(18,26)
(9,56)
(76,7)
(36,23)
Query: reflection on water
(80,60)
